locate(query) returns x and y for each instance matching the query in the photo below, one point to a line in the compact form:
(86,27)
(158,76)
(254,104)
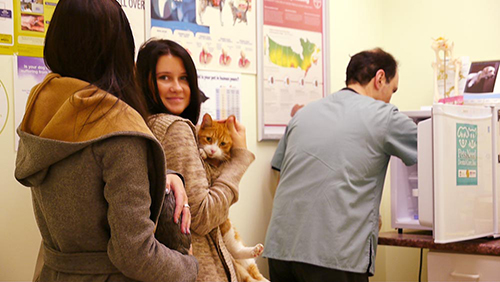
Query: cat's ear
(207,121)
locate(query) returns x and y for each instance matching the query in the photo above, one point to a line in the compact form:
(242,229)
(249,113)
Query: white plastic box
(451,190)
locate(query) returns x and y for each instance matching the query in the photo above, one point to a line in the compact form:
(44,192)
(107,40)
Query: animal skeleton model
(444,64)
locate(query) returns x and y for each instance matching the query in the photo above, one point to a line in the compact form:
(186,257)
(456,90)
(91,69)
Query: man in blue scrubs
(332,161)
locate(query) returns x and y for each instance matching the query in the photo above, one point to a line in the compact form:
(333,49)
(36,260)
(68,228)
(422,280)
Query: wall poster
(31,21)
(28,72)
(219,34)
(135,11)
(223,93)
(6,27)
(293,60)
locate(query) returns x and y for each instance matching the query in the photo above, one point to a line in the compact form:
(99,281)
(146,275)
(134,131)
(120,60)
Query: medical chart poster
(219,35)
(293,53)
(28,72)
(223,93)
(6,27)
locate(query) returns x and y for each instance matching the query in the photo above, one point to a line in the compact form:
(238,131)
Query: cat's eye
(209,139)
(223,143)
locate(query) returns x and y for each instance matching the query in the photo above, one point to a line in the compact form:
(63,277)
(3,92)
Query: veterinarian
(96,172)
(169,82)
(332,161)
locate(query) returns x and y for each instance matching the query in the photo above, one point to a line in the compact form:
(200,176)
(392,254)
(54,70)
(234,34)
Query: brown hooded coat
(97,177)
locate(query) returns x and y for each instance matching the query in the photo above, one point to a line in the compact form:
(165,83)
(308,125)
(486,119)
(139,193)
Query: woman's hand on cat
(238,132)
(174,183)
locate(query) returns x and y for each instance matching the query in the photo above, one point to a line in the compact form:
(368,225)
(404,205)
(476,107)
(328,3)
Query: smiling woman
(173,84)
(168,80)
(173,68)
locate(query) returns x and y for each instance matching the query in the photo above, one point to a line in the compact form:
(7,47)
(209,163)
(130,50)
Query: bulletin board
(293,60)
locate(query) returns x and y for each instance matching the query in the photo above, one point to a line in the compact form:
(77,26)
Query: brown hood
(71,110)
(64,115)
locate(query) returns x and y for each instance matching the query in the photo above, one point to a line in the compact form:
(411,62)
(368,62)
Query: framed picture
(482,86)
(482,77)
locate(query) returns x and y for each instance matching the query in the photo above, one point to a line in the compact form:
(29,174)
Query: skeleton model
(442,65)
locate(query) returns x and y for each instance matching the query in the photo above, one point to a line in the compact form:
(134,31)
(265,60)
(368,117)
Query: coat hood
(64,115)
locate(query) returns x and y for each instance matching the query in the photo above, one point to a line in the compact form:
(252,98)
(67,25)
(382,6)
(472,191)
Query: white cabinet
(443,266)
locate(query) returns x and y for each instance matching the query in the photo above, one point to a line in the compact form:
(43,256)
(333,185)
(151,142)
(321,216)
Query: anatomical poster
(293,53)
(219,34)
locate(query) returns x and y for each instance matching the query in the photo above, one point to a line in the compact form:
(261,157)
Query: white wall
(402,27)
(19,235)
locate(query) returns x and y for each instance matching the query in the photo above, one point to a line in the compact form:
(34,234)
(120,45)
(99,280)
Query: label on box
(466,154)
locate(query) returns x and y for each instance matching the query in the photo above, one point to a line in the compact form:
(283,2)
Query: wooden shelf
(423,239)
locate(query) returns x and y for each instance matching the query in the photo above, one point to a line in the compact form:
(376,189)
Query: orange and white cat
(214,142)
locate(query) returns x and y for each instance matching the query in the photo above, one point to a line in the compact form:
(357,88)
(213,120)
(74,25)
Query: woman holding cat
(90,159)
(167,77)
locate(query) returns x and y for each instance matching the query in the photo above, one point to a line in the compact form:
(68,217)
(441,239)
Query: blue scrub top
(333,160)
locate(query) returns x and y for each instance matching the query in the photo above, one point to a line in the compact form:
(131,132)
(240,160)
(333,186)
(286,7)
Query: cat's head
(214,138)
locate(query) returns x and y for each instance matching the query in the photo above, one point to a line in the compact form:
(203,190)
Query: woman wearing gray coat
(97,174)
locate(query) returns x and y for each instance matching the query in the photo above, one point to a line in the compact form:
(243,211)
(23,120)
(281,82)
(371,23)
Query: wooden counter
(423,239)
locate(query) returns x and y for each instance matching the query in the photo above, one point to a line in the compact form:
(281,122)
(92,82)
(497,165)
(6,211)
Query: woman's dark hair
(92,41)
(364,65)
(149,54)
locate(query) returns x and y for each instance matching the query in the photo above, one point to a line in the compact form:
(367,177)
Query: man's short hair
(364,65)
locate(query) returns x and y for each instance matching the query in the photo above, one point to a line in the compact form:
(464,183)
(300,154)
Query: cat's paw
(203,154)
(257,250)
